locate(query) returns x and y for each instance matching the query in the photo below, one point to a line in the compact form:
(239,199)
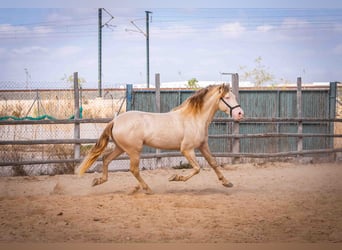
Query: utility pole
(147,35)
(148,48)
(100,54)
(100,45)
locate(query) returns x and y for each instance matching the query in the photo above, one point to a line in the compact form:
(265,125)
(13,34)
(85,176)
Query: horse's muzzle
(237,114)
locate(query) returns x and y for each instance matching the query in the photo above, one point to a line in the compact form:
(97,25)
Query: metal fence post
(332,109)
(299,115)
(129,96)
(157,84)
(77,146)
(236,126)
(157,93)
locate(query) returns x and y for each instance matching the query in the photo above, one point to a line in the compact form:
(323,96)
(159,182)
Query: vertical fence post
(129,94)
(157,84)
(299,115)
(157,92)
(236,126)
(77,146)
(332,110)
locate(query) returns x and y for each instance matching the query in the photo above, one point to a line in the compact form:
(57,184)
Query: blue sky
(184,43)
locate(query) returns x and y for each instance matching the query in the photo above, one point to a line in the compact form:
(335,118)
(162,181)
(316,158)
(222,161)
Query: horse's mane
(195,102)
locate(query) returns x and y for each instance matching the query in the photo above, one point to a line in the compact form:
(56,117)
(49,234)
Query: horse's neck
(207,114)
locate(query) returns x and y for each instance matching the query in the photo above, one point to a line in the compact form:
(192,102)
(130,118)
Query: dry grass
(61,107)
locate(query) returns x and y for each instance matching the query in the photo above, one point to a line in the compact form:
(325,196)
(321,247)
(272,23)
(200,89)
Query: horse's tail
(96,150)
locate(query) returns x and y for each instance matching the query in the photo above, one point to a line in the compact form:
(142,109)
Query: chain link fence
(43,104)
(18,103)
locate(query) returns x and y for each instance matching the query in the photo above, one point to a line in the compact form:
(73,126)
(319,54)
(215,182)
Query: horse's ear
(224,89)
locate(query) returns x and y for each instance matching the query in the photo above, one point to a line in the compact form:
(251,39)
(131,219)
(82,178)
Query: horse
(184,128)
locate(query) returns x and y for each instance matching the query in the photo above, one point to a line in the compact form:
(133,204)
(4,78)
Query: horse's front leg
(213,163)
(191,157)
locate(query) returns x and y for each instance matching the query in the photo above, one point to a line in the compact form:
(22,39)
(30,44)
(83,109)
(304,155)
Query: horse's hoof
(98,181)
(173,177)
(134,190)
(149,192)
(229,185)
(95,182)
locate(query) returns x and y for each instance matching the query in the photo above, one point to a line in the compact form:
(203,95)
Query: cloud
(41,30)
(10,30)
(231,30)
(67,51)
(173,32)
(69,14)
(30,50)
(294,23)
(19,31)
(265,28)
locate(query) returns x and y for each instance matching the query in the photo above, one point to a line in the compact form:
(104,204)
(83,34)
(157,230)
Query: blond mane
(195,102)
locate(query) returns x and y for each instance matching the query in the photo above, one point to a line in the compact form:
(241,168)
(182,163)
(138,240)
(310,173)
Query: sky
(41,46)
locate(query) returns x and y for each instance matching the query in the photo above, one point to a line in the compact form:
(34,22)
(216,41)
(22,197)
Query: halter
(231,108)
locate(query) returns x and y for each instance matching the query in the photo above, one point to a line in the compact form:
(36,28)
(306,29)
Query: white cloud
(232,30)
(265,28)
(7,30)
(18,31)
(67,51)
(29,50)
(58,17)
(173,32)
(63,15)
(294,23)
(41,30)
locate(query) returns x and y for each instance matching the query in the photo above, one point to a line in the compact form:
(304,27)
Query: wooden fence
(293,132)
(79,141)
(236,136)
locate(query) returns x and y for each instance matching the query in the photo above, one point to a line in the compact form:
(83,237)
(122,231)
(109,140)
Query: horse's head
(229,104)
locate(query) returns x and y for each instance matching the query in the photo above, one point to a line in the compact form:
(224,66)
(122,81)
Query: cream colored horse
(185,128)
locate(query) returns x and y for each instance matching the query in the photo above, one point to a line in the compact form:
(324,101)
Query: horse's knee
(213,163)
(134,170)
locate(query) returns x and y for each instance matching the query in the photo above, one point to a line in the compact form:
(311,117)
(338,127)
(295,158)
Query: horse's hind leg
(106,160)
(212,162)
(134,168)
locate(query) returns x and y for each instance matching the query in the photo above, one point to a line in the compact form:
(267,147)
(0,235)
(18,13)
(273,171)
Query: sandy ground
(273,202)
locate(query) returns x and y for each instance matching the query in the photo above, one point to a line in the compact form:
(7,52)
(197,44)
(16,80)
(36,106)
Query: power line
(203,22)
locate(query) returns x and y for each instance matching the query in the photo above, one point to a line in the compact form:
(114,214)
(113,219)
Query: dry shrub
(8,108)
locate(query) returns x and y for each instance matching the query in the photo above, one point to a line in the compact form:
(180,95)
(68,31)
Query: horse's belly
(162,131)
(163,142)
